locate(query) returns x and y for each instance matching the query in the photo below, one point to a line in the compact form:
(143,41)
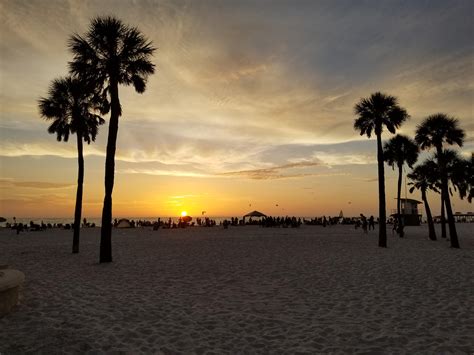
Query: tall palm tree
(375,113)
(436,131)
(111,53)
(398,151)
(71,106)
(422,179)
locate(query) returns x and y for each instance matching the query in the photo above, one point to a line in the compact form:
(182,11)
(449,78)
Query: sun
(184,214)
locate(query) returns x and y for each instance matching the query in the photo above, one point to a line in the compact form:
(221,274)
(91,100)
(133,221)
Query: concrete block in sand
(10,284)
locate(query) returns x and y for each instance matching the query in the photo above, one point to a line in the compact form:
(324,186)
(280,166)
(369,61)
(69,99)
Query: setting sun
(184,214)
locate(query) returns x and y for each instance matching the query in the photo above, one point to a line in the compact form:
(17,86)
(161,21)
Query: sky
(250,108)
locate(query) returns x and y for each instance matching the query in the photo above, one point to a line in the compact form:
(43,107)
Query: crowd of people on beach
(366,224)
(269,221)
(38,227)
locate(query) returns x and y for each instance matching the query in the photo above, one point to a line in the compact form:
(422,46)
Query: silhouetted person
(371,223)
(395,226)
(364,223)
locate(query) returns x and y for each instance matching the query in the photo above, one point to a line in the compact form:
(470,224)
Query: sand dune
(241,290)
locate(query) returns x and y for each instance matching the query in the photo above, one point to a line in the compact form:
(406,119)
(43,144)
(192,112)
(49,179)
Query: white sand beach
(243,290)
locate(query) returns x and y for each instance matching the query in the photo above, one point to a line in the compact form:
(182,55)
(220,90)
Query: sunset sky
(251,105)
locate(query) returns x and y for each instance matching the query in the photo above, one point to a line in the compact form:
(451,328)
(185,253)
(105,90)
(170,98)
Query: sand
(243,290)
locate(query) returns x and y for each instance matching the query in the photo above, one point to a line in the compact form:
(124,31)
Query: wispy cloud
(371,180)
(160,172)
(34,184)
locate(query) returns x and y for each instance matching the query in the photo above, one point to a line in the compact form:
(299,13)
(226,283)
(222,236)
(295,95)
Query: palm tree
(111,53)
(470,179)
(71,105)
(422,179)
(457,170)
(398,151)
(459,173)
(437,182)
(436,131)
(374,113)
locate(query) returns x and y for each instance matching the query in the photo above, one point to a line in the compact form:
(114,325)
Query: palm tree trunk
(443,217)
(399,209)
(453,236)
(382,213)
(106,230)
(80,182)
(429,217)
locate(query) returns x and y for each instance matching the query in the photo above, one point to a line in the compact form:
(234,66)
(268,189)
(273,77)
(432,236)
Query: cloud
(34,184)
(273,86)
(276,172)
(160,172)
(371,180)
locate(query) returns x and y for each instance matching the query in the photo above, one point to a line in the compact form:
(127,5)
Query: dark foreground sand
(243,290)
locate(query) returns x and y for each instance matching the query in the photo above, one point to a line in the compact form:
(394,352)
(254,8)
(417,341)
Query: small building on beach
(409,212)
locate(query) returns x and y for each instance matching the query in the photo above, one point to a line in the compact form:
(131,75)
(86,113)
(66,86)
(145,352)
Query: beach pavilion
(255,214)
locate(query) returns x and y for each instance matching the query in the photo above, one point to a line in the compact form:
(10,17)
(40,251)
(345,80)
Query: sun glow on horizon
(184,214)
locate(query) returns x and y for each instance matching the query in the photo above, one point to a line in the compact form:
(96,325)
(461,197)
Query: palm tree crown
(437,130)
(458,171)
(71,106)
(109,51)
(399,150)
(423,177)
(377,111)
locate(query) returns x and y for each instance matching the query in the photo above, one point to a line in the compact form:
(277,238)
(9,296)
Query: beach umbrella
(2,219)
(186,219)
